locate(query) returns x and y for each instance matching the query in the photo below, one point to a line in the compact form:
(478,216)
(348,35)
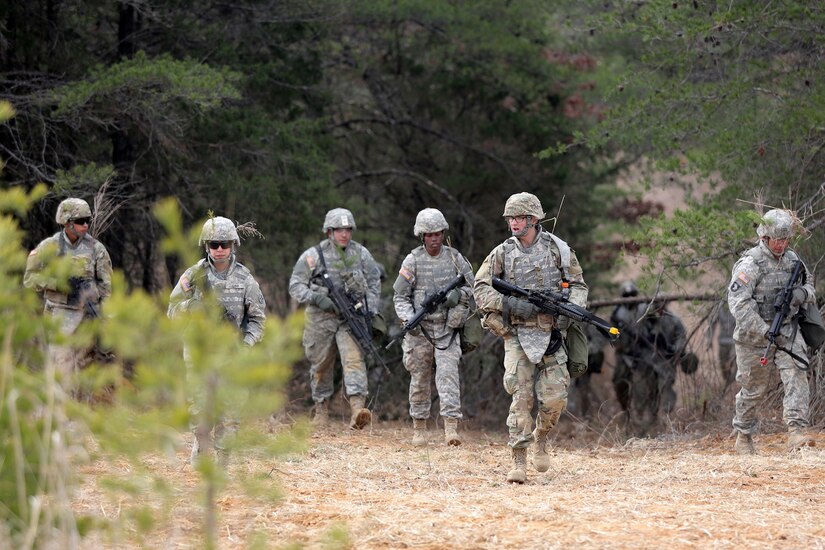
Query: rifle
(557,304)
(428,306)
(782,306)
(357,316)
(81,290)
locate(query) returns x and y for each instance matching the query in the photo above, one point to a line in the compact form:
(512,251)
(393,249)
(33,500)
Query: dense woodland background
(653,132)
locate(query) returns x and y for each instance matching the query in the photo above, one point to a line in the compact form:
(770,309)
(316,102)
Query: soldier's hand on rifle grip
(452,299)
(520,308)
(799,297)
(323,302)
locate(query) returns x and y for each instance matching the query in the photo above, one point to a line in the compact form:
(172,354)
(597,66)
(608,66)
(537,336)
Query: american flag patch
(406,273)
(743,277)
(311,261)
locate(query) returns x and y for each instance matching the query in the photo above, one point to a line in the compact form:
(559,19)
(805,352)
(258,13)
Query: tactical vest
(432,273)
(83,249)
(229,288)
(338,262)
(773,276)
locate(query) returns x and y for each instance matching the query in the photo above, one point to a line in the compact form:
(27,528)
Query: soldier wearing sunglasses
(235,289)
(90,284)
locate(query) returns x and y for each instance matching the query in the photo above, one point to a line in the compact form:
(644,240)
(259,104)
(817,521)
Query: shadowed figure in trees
(652,342)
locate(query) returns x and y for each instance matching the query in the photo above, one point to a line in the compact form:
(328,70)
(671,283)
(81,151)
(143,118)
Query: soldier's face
(220,251)
(342,236)
(519,225)
(433,243)
(75,229)
(778,246)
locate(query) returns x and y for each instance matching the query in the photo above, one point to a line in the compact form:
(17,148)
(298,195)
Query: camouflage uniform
(420,276)
(238,293)
(354,269)
(757,278)
(527,366)
(235,289)
(93,266)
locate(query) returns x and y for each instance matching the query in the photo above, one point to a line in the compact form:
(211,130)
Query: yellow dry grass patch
(664,493)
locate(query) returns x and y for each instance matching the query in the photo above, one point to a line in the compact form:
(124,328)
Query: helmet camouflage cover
(72,209)
(219,229)
(430,220)
(338,218)
(776,224)
(523,204)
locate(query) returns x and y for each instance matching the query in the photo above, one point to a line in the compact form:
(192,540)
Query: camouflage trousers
(549,379)
(323,340)
(754,379)
(419,355)
(67,360)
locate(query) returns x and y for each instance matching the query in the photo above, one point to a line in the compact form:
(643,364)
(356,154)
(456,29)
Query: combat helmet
(72,209)
(523,204)
(776,224)
(430,220)
(338,218)
(219,228)
(628,289)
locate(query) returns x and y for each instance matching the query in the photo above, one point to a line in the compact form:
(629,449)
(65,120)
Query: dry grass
(384,493)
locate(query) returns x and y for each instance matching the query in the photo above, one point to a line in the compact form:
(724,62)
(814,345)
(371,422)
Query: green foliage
(135,403)
(157,82)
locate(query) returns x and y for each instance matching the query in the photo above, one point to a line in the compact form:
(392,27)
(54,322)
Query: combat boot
(797,438)
(541,460)
(451,432)
(361,416)
(744,444)
(419,438)
(321,417)
(519,472)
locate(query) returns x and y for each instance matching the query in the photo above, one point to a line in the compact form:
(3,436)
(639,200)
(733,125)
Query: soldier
(724,339)
(88,287)
(235,290)
(534,358)
(426,270)
(351,266)
(624,318)
(658,347)
(756,280)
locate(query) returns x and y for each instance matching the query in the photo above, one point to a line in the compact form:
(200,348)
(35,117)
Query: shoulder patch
(184,284)
(742,276)
(33,252)
(406,273)
(735,286)
(311,261)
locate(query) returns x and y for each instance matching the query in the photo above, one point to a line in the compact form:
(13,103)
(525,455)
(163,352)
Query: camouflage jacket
(92,263)
(756,279)
(236,290)
(352,268)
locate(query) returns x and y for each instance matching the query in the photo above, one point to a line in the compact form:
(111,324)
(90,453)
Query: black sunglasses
(214,245)
(82,221)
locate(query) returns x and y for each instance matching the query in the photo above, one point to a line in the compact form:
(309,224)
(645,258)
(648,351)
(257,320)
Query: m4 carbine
(557,304)
(428,306)
(357,316)
(782,306)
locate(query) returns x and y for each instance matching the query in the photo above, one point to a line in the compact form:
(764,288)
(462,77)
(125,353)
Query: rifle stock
(556,304)
(428,306)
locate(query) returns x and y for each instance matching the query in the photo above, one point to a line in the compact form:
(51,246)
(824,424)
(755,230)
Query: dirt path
(373,490)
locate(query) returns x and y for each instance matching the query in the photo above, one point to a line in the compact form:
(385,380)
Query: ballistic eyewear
(214,245)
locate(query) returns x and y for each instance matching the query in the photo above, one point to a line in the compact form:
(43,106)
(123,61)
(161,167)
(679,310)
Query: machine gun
(428,306)
(782,306)
(357,316)
(557,304)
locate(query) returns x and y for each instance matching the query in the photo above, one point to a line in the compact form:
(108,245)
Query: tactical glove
(323,302)
(453,298)
(520,308)
(562,322)
(799,297)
